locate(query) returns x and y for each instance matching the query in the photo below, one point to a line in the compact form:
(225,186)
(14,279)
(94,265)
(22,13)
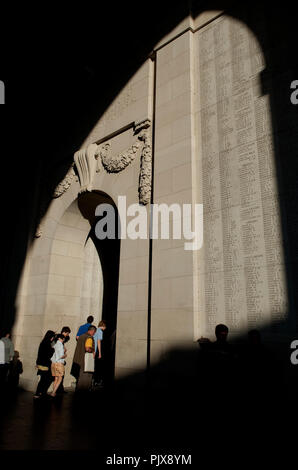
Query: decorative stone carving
(65,183)
(86,165)
(145,180)
(103,153)
(42,211)
(115,164)
(38,232)
(61,188)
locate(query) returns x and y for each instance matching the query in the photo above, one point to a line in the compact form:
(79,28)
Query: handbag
(89,362)
(43,368)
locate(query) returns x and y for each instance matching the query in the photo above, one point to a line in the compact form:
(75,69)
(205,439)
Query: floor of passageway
(198,415)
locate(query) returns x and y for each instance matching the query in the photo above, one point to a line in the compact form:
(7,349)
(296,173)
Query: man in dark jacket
(85,344)
(43,364)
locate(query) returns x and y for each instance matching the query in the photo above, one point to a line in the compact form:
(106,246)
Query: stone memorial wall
(242,264)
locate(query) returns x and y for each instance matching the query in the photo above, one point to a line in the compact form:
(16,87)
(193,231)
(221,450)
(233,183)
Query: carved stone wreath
(121,161)
(115,164)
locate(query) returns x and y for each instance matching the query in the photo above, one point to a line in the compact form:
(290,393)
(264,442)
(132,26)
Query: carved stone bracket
(85,161)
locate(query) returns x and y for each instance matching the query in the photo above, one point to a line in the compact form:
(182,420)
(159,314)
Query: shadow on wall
(69,86)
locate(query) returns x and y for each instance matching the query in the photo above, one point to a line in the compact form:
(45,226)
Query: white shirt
(59,352)
(9,349)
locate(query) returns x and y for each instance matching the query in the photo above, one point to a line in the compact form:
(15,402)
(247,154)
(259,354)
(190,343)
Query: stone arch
(63,282)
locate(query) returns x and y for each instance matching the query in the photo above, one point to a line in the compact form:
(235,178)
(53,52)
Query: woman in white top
(57,367)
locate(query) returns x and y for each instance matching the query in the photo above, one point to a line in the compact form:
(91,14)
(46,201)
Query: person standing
(16,368)
(98,336)
(43,364)
(223,363)
(85,344)
(57,359)
(84,328)
(8,355)
(65,332)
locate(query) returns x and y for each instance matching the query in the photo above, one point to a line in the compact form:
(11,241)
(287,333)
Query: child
(57,359)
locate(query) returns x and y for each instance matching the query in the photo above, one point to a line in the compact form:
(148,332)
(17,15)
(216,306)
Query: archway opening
(108,250)
(80,278)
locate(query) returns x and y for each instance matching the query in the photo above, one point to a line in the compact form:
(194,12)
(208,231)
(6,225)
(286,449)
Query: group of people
(10,365)
(246,361)
(86,365)
(50,362)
